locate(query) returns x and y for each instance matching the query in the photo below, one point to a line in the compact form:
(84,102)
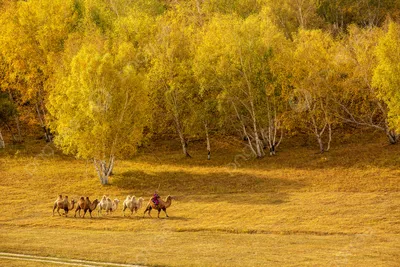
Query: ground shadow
(223,186)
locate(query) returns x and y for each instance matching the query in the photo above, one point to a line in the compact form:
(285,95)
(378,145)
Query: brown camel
(86,205)
(162,205)
(61,203)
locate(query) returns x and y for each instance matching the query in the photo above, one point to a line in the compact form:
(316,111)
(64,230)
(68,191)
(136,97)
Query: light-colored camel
(86,205)
(132,204)
(108,205)
(115,203)
(104,204)
(162,205)
(64,204)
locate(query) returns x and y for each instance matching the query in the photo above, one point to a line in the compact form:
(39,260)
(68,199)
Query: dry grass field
(341,208)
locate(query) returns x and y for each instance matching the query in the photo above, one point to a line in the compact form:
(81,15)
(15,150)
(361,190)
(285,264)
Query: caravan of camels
(109,206)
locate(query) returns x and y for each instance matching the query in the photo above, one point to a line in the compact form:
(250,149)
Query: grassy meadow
(340,208)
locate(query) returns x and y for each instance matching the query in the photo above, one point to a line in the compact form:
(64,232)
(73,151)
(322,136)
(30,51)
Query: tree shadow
(222,186)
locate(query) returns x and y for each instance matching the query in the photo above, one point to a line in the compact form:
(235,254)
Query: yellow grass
(299,208)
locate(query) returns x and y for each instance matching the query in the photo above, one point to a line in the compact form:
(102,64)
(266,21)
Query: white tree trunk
(320,143)
(244,130)
(208,142)
(391,134)
(183,141)
(47,134)
(103,170)
(2,144)
(259,146)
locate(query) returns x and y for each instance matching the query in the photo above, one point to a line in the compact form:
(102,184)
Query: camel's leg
(123,210)
(78,209)
(90,212)
(54,208)
(159,210)
(58,211)
(165,210)
(147,209)
(84,213)
(98,212)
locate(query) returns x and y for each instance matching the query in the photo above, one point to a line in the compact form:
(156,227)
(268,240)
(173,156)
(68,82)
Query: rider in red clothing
(155,198)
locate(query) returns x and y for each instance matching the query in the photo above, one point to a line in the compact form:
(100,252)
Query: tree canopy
(102,77)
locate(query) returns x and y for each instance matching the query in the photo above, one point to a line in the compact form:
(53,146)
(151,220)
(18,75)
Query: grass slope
(299,208)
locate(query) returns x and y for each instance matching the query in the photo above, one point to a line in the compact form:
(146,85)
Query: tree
(7,113)
(99,105)
(171,75)
(33,34)
(313,72)
(234,60)
(386,75)
(243,8)
(358,99)
(364,13)
(290,15)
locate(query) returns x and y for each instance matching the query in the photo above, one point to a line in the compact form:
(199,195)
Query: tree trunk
(393,137)
(2,144)
(181,135)
(208,142)
(259,146)
(19,136)
(182,138)
(18,129)
(184,145)
(103,170)
(47,134)
(328,147)
(245,134)
(321,144)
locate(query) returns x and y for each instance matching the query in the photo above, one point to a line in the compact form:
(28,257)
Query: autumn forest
(100,78)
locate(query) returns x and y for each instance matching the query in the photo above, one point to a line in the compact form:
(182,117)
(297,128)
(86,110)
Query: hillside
(298,208)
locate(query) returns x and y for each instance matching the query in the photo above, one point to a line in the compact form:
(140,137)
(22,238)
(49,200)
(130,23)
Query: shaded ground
(341,208)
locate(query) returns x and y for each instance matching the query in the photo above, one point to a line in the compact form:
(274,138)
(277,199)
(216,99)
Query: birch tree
(386,75)
(235,59)
(33,33)
(7,113)
(99,105)
(171,75)
(359,101)
(314,78)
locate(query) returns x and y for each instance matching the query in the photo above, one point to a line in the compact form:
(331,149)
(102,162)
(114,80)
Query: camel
(104,204)
(86,205)
(114,206)
(61,203)
(163,205)
(132,204)
(108,205)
